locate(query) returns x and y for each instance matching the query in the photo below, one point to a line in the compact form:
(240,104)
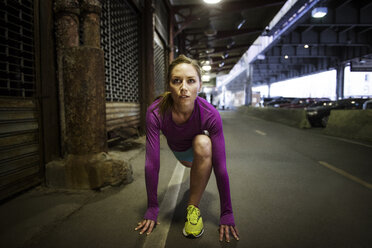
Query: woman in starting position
(193,129)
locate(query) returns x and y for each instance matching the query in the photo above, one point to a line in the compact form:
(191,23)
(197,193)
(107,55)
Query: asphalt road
(289,188)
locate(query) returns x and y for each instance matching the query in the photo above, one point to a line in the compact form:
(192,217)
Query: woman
(193,129)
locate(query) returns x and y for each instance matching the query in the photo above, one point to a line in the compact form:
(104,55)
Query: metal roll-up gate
(160,47)
(20,147)
(159,66)
(119,41)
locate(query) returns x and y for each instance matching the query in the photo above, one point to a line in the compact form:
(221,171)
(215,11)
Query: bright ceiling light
(286,56)
(206,78)
(212,1)
(241,24)
(207,67)
(319,12)
(209,50)
(231,44)
(210,32)
(306,46)
(225,55)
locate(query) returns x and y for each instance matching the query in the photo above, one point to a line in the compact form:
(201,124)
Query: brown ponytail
(165,103)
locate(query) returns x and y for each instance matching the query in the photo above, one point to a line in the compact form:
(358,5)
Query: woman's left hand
(225,230)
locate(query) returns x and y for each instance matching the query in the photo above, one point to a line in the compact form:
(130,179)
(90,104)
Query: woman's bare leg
(201,168)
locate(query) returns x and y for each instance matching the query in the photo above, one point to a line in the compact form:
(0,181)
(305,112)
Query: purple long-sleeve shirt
(179,138)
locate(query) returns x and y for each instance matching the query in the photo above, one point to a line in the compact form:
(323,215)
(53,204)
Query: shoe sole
(191,235)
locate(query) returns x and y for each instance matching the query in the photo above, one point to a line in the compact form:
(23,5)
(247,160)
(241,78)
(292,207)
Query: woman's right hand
(146,226)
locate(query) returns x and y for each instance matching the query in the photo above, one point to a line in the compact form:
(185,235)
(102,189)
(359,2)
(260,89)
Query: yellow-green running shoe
(194,224)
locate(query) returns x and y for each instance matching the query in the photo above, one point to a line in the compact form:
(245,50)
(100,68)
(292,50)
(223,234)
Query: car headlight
(311,113)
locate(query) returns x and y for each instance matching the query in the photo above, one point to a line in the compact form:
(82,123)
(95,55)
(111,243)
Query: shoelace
(193,217)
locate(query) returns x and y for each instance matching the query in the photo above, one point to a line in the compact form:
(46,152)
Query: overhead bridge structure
(296,44)
(303,44)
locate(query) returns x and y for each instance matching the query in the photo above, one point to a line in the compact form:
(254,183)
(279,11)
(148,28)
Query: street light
(212,1)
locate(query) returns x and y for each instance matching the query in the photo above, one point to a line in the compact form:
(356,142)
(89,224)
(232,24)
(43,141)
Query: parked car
(303,102)
(321,103)
(266,100)
(318,114)
(300,102)
(278,101)
(295,103)
(367,104)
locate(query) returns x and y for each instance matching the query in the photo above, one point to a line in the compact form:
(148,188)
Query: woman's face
(184,84)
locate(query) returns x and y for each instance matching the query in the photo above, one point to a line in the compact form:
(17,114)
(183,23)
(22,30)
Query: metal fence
(17,48)
(119,41)
(159,66)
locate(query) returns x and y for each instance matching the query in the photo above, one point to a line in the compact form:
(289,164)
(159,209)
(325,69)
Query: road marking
(345,174)
(344,140)
(158,238)
(260,132)
(349,141)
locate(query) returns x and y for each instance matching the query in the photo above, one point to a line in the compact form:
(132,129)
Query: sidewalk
(44,217)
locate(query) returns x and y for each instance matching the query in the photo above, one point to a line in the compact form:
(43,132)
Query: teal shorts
(187,155)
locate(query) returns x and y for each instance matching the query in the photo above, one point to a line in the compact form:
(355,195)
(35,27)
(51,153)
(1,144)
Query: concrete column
(181,44)
(268,90)
(67,36)
(147,78)
(84,87)
(248,87)
(67,23)
(86,163)
(82,78)
(149,51)
(91,11)
(171,35)
(340,78)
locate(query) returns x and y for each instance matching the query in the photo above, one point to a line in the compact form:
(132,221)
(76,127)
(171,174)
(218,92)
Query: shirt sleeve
(152,164)
(220,170)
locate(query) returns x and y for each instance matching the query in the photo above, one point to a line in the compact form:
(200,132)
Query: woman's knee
(202,146)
